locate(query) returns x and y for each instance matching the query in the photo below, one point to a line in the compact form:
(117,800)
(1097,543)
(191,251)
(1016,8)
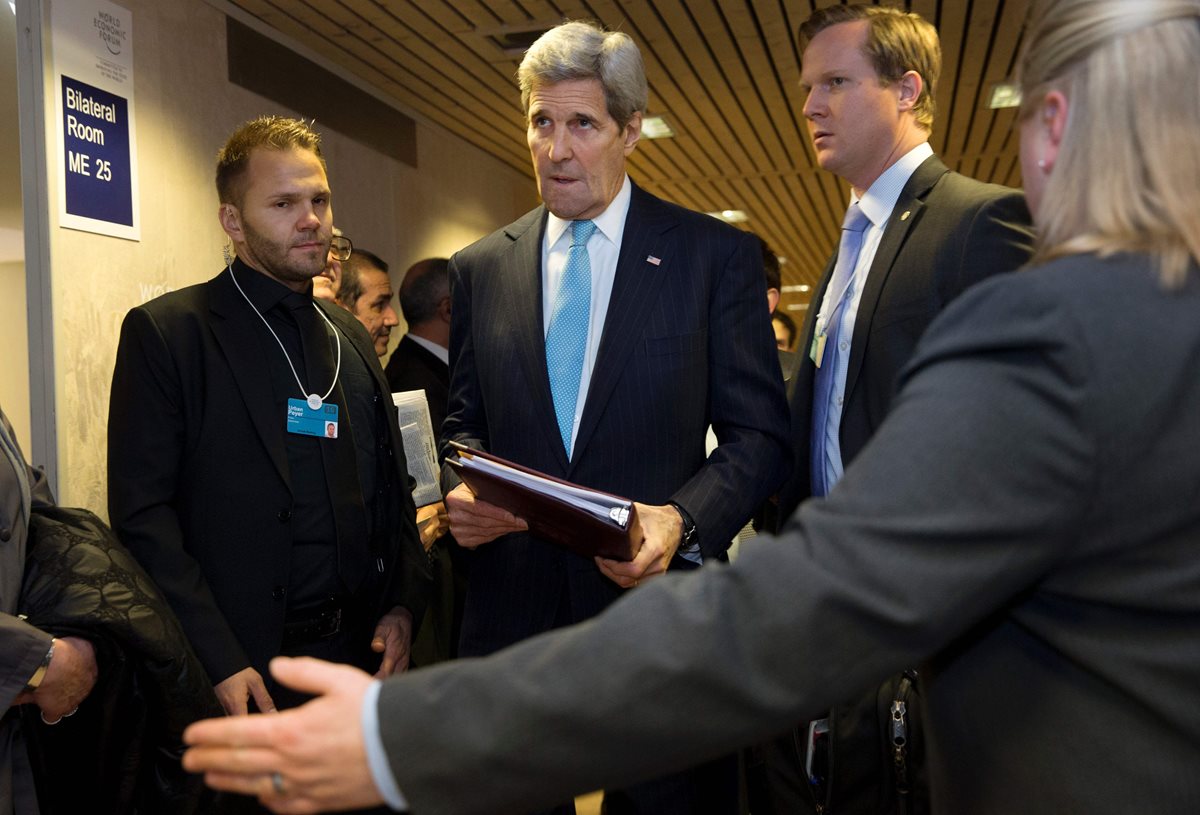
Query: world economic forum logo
(109,29)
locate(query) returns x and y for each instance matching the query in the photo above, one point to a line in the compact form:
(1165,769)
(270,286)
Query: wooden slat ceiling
(724,73)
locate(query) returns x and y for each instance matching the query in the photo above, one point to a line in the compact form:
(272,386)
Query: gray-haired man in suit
(608,378)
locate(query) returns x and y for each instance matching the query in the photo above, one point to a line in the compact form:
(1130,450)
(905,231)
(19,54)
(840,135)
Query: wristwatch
(687,540)
(35,681)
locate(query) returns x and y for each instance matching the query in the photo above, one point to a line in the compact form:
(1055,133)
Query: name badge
(306,421)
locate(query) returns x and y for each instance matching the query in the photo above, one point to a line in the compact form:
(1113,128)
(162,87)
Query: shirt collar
(264,292)
(879,201)
(610,223)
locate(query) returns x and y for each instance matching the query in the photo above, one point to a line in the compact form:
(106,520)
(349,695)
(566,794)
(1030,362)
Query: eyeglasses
(341,247)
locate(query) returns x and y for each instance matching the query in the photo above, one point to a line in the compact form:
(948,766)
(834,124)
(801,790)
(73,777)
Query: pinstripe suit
(686,342)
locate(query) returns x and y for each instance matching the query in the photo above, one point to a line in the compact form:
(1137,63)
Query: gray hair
(584,50)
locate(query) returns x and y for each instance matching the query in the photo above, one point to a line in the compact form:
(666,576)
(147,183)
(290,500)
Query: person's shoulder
(958,190)
(652,210)
(1078,292)
(502,238)
(405,354)
(1077,278)
(181,302)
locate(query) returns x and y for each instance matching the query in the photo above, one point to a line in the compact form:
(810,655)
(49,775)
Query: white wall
(185,109)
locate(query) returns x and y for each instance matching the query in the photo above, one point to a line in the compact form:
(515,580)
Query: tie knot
(581,231)
(856,220)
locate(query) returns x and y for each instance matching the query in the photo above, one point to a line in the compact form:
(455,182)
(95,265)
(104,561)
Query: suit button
(278,593)
(284,515)
(6,534)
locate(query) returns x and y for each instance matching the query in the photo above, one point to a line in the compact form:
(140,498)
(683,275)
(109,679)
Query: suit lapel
(907,212)
(634,294)
(360,343)
(521,268)
(237,337)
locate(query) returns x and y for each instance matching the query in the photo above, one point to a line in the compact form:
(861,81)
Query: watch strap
(39,675)
(688,540)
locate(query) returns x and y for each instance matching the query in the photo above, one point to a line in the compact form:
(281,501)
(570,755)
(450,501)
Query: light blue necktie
(840,283)
(566,341)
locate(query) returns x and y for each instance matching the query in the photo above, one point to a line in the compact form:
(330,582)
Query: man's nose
(561,148)
(812,106)
(307,218)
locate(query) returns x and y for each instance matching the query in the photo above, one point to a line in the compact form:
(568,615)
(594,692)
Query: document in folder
(585,521)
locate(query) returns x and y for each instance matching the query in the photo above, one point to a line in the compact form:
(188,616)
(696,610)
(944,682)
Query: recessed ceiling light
(731,216)
(656,127)
(800,287)
(1005,95)
(797,306)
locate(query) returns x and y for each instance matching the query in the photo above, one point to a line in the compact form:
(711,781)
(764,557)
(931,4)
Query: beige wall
(185,108)
(14,384)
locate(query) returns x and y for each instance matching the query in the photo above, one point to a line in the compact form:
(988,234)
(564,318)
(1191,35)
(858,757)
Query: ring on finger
(277,784)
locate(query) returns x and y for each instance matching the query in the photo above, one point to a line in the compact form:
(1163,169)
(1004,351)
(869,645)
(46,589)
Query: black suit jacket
(686,343)
(946,232)
(1026,519)
(198,472)
(415,368)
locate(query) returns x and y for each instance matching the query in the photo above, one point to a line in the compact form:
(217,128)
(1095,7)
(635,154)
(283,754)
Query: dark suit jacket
(198,472)
(1027,519)
(686,343)
(946,233)
(414,368)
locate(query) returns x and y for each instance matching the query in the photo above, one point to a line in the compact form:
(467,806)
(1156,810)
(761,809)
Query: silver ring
(47,721)
(277,784)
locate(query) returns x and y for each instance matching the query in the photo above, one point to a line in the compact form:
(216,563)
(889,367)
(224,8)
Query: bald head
(425,300)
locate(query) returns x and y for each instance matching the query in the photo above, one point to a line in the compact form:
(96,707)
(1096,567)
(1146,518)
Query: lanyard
(822,320)
(312,399)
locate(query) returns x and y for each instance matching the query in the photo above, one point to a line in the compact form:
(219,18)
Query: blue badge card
(306,421)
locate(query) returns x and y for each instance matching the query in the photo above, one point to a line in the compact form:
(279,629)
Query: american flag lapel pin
(652,260)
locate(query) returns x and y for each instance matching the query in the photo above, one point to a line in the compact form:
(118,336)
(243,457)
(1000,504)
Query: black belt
(313,624)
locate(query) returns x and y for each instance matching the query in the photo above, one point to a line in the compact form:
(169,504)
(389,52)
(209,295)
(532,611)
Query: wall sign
(95,133)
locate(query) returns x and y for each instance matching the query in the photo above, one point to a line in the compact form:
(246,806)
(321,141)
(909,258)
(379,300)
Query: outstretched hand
(308,759)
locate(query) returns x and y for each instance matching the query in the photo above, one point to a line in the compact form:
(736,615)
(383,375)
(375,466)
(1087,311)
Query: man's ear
(633,132)
(231,221)
(443,310)
(910,86)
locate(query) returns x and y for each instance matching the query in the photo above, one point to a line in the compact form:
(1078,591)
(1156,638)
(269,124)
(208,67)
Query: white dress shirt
(604,247)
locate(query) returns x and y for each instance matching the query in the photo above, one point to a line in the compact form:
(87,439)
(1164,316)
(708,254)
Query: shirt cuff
(377,760)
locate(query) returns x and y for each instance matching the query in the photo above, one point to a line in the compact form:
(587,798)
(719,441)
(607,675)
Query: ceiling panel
(724,73)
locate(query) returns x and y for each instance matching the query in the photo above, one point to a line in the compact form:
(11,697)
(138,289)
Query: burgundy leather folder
(585,521)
